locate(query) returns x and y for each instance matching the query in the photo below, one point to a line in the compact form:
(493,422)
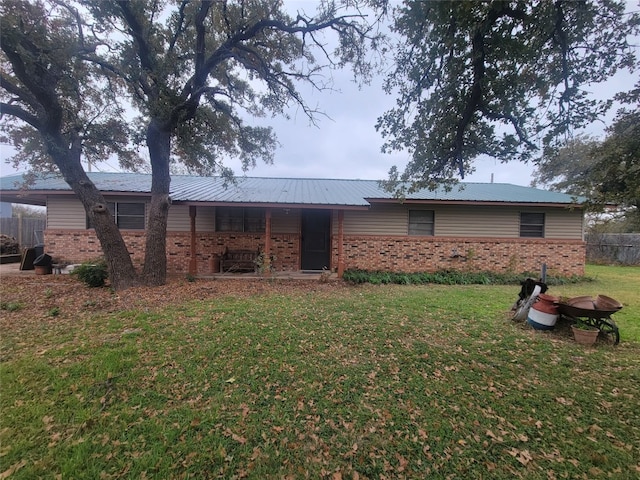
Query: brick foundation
(402,254)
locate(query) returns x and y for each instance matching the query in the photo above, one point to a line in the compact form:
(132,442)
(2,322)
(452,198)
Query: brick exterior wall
(77,246)
(404,254)
(429,254)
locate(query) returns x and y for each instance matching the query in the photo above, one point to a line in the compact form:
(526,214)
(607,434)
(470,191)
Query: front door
(315,243)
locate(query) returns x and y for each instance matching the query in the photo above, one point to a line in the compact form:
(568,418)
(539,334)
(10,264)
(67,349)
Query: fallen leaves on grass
(279,379)
(39,295)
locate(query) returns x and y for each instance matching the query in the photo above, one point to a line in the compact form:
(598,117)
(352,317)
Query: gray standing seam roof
(303,191)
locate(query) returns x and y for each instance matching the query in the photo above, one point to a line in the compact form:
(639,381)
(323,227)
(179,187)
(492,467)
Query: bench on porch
(239,260)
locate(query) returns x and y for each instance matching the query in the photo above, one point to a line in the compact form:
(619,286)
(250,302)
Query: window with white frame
(421,222)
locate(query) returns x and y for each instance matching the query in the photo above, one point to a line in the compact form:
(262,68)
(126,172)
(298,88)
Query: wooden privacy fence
(623,248)
(27,231)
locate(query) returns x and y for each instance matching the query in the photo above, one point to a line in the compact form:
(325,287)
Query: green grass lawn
(350,382)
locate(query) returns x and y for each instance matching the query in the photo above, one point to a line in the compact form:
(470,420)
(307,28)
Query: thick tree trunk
(155,259)
(122,273)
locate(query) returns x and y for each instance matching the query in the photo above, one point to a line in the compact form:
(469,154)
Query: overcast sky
(346,144)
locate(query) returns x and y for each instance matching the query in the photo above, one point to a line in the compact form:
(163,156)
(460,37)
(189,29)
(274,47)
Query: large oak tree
(503,78)
(55,110)
(194,71)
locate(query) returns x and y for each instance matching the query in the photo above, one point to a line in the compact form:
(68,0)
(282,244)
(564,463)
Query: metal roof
(302,191)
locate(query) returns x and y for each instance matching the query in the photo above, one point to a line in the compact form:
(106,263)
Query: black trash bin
(43,260)
(42,264)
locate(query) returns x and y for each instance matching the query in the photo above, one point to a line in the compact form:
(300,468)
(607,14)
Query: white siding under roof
(285,220)
(470,221)
(380,219)
(65,213)
(462,221)
(180,221)
(567,224)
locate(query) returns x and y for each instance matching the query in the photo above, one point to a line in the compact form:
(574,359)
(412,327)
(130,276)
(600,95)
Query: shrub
(92,273)
(450,277)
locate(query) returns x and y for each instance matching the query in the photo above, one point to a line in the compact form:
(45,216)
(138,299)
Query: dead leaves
(12,469)
(38,295)
(305,389)
(522,456)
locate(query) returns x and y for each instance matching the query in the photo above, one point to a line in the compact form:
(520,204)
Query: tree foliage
(54,110)
(193,70)
(615,177)
(45,85)
(497,78)
(568,168)
(606,172)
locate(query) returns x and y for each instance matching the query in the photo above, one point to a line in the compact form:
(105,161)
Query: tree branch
(23,95)
(560,36)
(147,60)
(200,76)
(513,121)
(22,114)
(474,101)
(180,27)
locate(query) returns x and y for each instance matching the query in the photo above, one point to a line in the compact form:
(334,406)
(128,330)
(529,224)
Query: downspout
(193,263)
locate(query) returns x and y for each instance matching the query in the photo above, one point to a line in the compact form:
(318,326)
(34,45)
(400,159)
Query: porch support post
(193,263)
(340,243)
(267,239)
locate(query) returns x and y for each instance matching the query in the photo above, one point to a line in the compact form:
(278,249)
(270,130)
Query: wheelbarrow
(593,312)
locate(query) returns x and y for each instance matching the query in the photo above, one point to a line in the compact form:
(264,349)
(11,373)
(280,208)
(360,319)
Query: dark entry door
(316,245)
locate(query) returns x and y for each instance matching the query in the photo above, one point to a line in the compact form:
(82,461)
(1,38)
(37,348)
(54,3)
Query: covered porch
(286,240)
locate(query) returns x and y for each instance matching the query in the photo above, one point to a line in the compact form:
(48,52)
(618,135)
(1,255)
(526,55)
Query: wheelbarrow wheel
(609,331)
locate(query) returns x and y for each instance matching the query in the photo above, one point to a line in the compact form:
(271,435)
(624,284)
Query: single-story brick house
(315,224)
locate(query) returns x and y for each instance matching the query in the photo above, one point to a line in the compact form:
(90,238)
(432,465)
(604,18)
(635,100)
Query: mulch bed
(58,297)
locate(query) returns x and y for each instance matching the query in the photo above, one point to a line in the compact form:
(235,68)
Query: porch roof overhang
(29,197)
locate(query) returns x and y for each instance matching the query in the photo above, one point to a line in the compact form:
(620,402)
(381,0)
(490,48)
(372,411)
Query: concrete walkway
(13,269)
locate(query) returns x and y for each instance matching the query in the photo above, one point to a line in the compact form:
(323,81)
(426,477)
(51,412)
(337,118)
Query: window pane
(238,219)
(130,216)
(421,222)
(254,220)
(229,219)
(131,209)
(532,225)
